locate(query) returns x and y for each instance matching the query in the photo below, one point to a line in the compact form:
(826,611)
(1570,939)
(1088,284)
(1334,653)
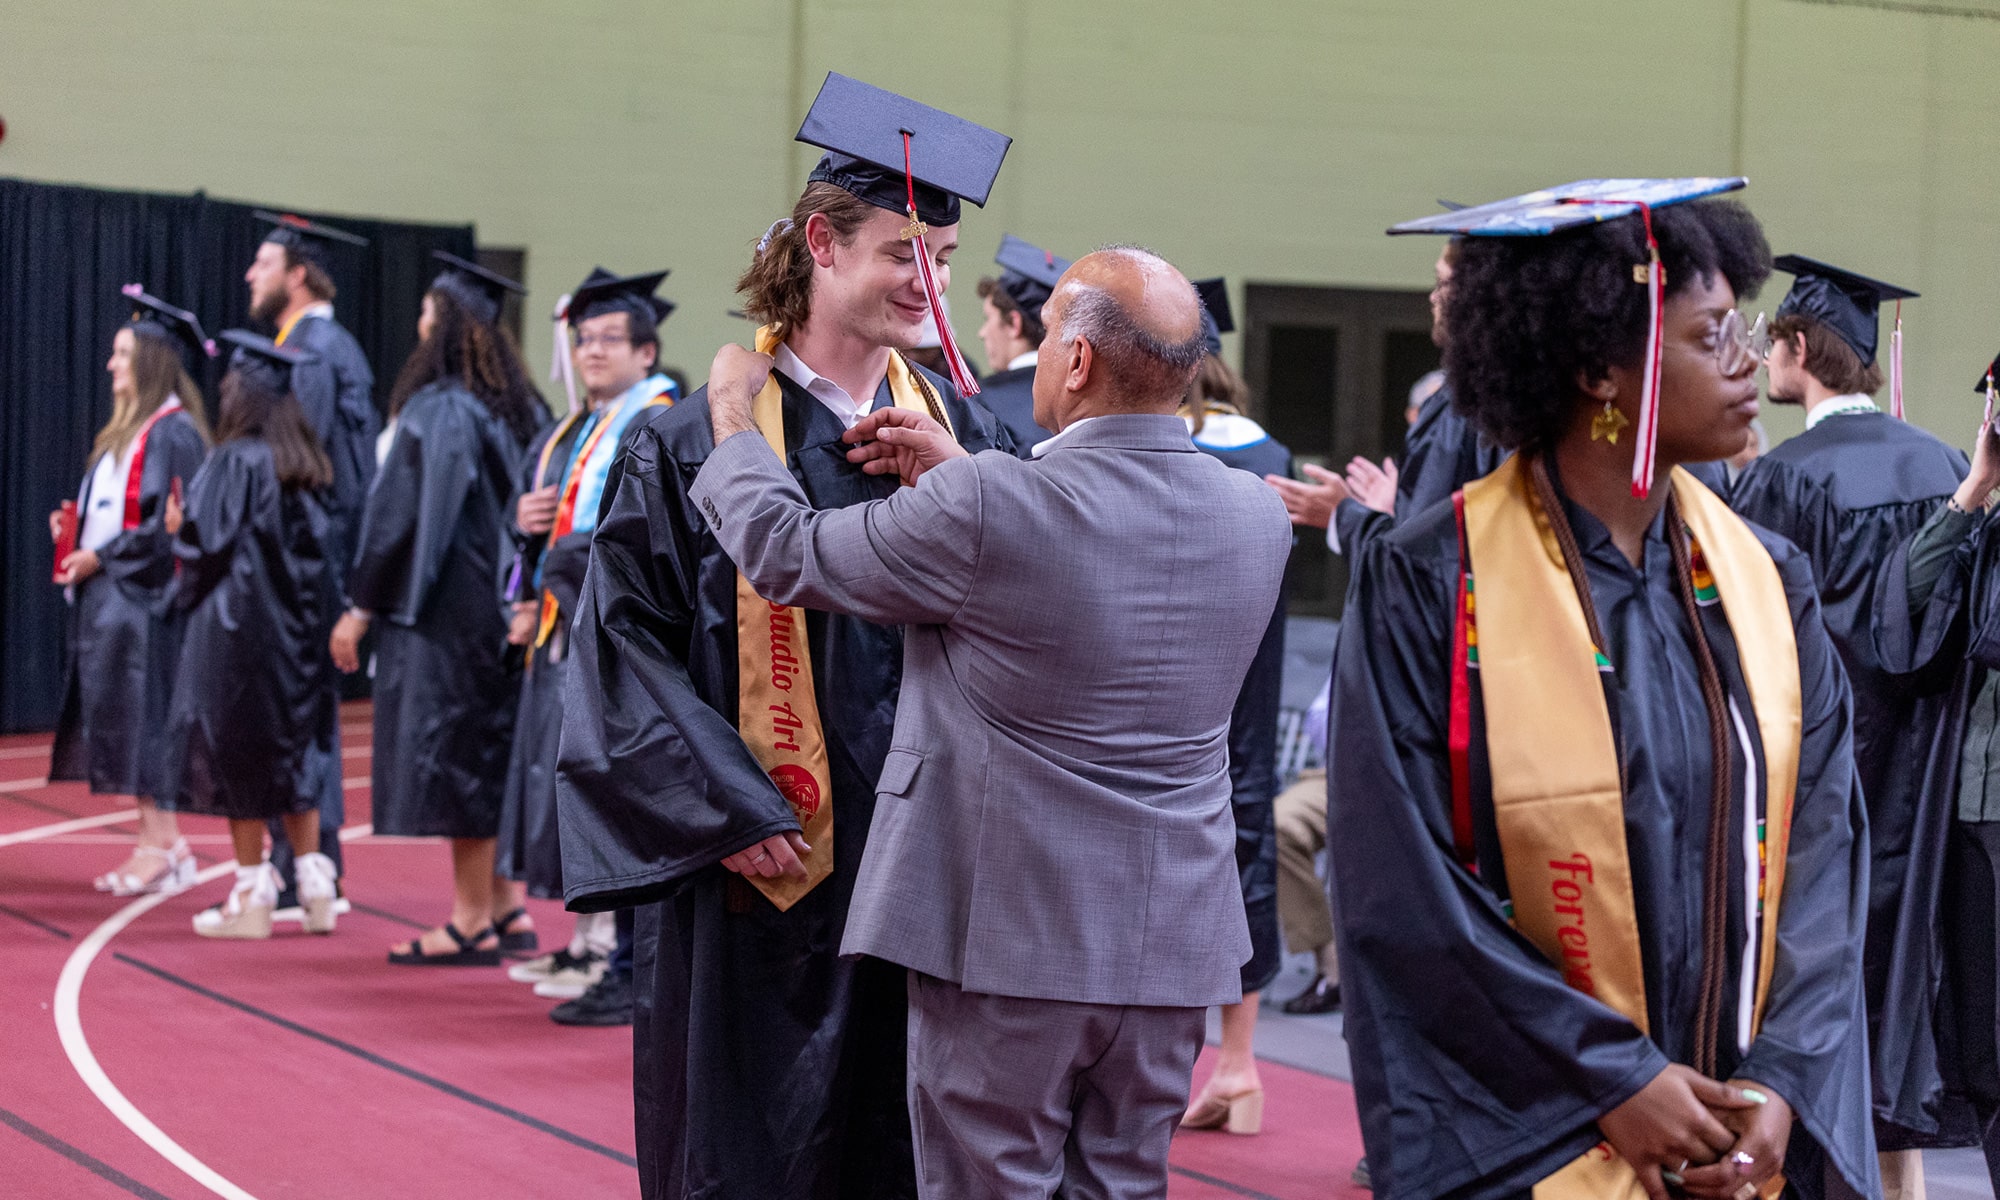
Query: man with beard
(714,743)
(1851,491)
(291,289)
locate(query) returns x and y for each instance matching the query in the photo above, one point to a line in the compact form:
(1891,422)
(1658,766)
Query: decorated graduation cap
(1028,273)
(261,358)
(1849,305)
(155,318)
(480,292)
(1577,205)
(309,240)
(1216,316)
(1986,386)
(909,158)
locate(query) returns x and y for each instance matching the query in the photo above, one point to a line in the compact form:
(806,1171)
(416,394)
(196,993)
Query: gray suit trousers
(1019,1099)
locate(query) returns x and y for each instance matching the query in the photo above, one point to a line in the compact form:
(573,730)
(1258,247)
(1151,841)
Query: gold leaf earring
(1607,423)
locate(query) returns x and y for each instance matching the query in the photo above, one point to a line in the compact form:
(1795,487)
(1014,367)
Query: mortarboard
(154,317)
(1216,316)
(1849,305)
(602,292)
(1986,381)
(1574,206)
(261,357)
(1028,273)
(312,240)
(480,292)
(906,157)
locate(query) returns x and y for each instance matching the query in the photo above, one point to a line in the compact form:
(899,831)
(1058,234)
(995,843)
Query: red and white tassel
(962,377)
(1649,392)
(1988,418)
(1896,366)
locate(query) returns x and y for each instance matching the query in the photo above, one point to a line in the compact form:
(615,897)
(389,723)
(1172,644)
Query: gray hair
(1144,366)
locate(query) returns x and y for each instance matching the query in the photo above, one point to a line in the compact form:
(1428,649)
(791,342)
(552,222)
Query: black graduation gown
(765,1064)
(1477,1070)
(1253,751)
(1442,452)
(1851,492)
(124,638)
(336,389)
(256,706)
(1010,397)
(428,566)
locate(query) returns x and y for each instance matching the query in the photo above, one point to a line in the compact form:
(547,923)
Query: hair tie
(781,225)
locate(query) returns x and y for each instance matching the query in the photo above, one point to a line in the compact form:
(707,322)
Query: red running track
(309,1067)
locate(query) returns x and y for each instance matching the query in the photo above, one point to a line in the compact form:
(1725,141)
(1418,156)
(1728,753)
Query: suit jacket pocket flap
(899,770)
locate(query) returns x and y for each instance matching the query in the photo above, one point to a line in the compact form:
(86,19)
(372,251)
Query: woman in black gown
(255,710)
(123,639)
(426,571)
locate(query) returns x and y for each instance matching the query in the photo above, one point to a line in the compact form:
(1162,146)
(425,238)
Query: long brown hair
(157,372)
(252,408)
(1217,388)
(483,357)
(777,285)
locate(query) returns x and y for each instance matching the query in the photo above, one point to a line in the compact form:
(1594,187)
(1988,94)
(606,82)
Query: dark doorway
(1330,370)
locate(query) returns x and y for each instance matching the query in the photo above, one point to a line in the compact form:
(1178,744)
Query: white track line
(24,752)
(61,827)
(24,785)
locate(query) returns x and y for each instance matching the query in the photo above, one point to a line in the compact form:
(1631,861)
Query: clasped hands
(888,441)
(1721,1141)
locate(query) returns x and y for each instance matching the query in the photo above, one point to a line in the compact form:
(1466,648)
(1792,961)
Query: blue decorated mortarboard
(480,292)
(1552,210)
(1847,303)
(311,240)
(260,356)
(602,292)
(154,317)
(1216,316)
(870,135)
(1028,273)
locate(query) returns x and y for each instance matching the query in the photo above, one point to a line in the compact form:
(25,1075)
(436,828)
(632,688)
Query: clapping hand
(535,512)
(896,441)
(1984,477)
(1311,503)
(1372,485)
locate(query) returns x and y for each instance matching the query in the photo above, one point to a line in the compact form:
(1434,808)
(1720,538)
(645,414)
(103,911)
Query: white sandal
(318,890)
(247,911)
(175,877)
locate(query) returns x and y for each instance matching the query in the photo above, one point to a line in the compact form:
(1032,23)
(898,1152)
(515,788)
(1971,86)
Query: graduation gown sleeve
(413,510)
(219,510)
(142,556)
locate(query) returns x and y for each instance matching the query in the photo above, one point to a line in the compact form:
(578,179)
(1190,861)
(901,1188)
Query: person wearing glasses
(1851,491)
(1601,872)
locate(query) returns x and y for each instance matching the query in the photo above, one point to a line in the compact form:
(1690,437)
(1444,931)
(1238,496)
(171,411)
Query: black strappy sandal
(467,955)
(511,941)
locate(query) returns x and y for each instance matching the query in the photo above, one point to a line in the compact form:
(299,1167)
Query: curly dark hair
(483,357)
(1527,317)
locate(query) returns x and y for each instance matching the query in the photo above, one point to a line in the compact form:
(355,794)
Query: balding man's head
(1124,332)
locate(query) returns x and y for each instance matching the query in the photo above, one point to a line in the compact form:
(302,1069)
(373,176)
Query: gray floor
(1315,1044)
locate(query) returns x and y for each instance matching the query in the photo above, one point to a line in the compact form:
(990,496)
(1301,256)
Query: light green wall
(1270,141)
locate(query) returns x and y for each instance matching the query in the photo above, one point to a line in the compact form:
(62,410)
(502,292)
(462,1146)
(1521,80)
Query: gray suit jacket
(1054,815)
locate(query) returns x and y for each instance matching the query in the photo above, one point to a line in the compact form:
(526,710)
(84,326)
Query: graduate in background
(610,330)
(1218,420)
(255,700)
(428,564)
(291,289)
(1851,491)
(764,1062)
(123,642)
(1600,878)
(1011,331)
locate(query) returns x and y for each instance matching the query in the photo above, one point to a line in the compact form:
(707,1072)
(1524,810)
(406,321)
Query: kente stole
(777,711)
(1558,801)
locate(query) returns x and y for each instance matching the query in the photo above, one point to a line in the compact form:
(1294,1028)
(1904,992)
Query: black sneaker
(1360,1175)
(1320,997)
(607,1002)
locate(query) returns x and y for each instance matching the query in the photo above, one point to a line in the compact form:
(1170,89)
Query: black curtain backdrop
(64,253)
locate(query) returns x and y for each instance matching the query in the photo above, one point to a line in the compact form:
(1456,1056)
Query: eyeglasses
(1739,347)
(610,341)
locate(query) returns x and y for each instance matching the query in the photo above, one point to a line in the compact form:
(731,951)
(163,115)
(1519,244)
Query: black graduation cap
(154,317)
(1990,379)
(479,291)
(1844,302)
(602,292)
(1216,316)
(310,239)
(862,128)
(1028,273)
(261,357)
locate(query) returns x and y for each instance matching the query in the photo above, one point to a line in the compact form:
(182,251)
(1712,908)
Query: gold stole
(1558,803)
(777,712)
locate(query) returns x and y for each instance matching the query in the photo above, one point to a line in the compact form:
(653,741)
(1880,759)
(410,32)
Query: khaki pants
(1300,812)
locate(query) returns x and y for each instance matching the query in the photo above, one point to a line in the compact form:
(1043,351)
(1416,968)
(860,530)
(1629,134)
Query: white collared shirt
(824,390)
(1024,360)
(1042,448)
(1840,406)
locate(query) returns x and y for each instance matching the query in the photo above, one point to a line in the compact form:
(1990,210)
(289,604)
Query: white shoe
(292,912)
(247,911)
(176,877)
(318,892)
(573,980)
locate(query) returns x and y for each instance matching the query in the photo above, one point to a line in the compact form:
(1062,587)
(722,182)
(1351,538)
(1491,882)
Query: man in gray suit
(1052,855)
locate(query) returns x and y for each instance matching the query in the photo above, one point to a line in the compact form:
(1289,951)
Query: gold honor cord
(1558,801)
(777,711)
